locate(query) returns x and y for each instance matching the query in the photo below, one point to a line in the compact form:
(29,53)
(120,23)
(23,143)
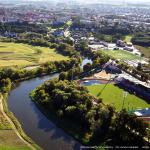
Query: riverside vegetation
(9,76)
(85,117)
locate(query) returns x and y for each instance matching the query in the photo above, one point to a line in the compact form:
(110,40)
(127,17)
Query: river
(44,132)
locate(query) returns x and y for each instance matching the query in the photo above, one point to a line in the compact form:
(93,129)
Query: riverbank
(15,124)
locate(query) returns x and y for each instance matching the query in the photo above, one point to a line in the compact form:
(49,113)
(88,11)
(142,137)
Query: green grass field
(121,54)
(13,54)
(114,95)
(128,38)
(8,138)
(10,141)
(13,148)
(144,50)
(69,23)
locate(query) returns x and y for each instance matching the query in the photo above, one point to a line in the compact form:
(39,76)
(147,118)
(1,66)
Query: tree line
(142,39)
(8,75)
(18,27)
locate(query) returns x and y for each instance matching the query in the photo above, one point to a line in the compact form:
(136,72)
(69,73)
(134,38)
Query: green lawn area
(8,138)
(128,38)
(144,50)
(14,54)
(69,23)
(13,148)
(114,95)
(121,54)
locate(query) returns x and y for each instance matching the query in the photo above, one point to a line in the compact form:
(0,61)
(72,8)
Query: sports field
(121,54)
(114,95)
(13,54)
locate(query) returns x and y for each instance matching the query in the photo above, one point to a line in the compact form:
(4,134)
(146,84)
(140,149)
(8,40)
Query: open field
(13,54)
(69,23)
(8,136)
(121,54)
(144,50)
(13,148)
(114,95)
(128,38)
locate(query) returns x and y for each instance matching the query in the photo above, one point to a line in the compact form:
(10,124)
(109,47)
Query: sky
(91,1)
(137,1)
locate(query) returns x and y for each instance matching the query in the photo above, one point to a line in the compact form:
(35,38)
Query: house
(120,43)
(58,33)
(113,69)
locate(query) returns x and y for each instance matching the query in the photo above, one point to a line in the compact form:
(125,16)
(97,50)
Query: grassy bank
(14,54)
(10,141)
(17,124)
(8,138)
(114,95)
(13,148)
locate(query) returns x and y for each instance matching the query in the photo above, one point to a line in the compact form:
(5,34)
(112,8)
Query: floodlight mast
(124,97)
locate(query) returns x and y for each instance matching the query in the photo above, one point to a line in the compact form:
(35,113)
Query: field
(114,95)
(144,50)
(69,23)
(121,54)
(8,137)
(13,54)
(128,38)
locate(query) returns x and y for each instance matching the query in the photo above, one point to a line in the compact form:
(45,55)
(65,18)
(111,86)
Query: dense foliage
(71,102)
(12,74)
(66,49)
(68,100)
(142,39)
(5,85)
(128,130)
(18,27)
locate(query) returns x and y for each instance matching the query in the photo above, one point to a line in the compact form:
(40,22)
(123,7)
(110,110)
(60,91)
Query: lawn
(121,54)
(14,54)
(128,38)
(114,95)
(144,50)
(69,23)
(8,139)
(13,148)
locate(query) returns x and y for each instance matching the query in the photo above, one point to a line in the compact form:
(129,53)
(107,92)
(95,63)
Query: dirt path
(13,126)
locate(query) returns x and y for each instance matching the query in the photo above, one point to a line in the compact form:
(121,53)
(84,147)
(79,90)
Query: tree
(63,76)
(87,67)
(129,130)
(71,111)
(5,85)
